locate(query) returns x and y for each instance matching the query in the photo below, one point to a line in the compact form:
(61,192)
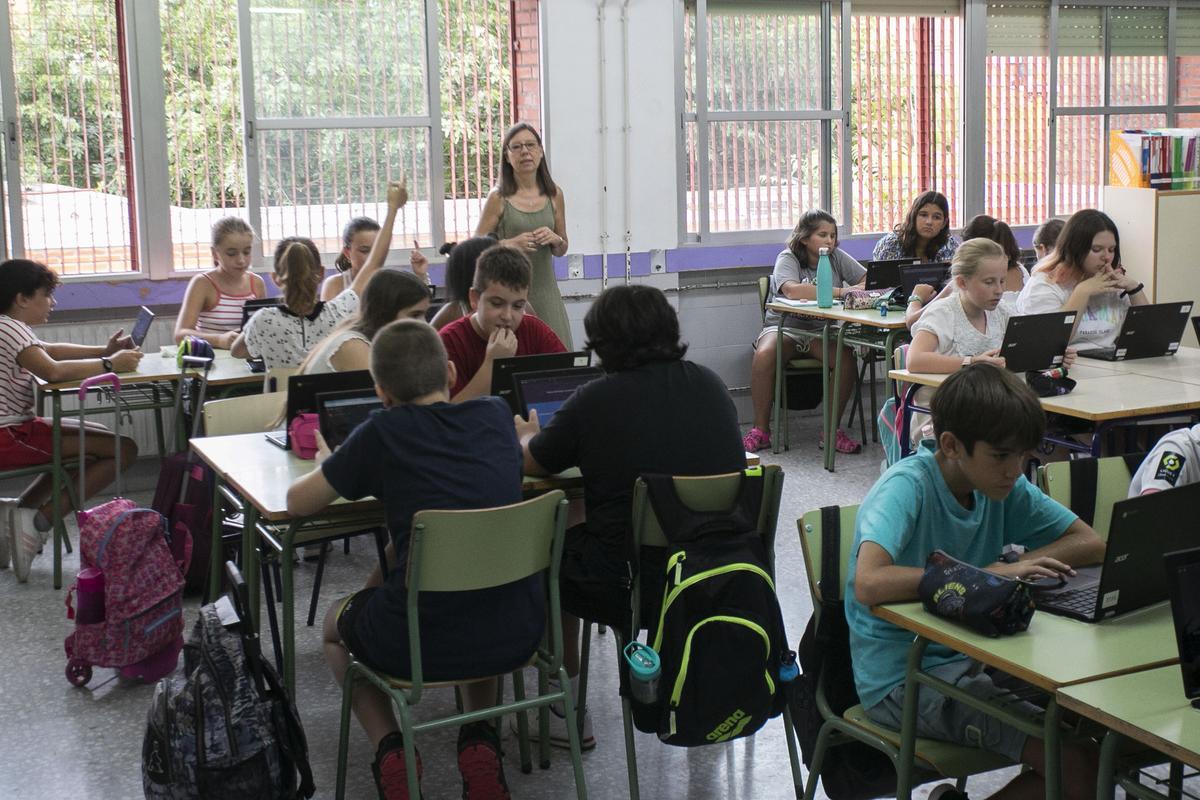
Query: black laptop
(935,274)
(1149,331)
(547,390)
(303,391)
(1132,576)
(1037,341)
(503,370)
(254,304)
(1196,327)
(340,413)
(1183,585)
(885,274)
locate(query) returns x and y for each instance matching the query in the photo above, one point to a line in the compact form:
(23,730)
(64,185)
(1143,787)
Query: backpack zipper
(212,670)
(670,595)
(681,677)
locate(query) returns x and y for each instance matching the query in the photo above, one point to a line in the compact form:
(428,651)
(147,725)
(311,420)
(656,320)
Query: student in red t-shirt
(498,326)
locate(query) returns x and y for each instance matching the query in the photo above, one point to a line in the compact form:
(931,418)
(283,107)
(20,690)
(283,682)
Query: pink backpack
(143,565)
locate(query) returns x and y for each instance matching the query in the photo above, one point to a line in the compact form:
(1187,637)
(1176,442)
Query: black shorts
(348,612)
(595,580)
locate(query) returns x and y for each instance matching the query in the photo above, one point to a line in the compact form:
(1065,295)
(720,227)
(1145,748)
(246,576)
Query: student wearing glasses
(527,211)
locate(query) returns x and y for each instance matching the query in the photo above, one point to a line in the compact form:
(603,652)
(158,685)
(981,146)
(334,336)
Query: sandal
(756,440)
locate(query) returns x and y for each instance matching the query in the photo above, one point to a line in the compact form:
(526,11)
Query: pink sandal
(756,440)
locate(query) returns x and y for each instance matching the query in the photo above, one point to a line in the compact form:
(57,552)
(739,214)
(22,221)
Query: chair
(703,493)
(797,366)
(454,551)
(1090,486)
(275,379)
(933,757)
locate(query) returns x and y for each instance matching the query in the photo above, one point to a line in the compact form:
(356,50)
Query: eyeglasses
(526,147)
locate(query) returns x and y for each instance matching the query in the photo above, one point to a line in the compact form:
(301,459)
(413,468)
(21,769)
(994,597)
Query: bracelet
(915,299)
(1133,291)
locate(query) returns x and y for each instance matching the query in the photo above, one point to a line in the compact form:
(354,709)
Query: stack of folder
(1164,158)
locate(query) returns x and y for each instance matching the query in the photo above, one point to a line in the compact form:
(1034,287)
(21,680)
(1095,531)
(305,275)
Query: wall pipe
(626,190)
(603,148)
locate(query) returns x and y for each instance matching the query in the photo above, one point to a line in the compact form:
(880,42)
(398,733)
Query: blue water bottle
(644,671)
(824,280)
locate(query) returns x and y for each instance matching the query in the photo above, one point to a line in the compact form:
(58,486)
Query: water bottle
(644,671)
(824,280)
(89,594)
(788,669)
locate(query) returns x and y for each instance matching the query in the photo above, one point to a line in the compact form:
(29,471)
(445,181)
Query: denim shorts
(939,717)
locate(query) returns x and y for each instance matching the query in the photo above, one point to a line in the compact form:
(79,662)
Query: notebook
(503,370)
(141,326)
(1149,331)
(1132,575)
(303,391)
(1036,341)
(339,413)
(545,391)
(934,274)
(1183,584)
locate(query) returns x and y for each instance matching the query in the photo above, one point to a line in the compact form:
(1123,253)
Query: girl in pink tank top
(212,307)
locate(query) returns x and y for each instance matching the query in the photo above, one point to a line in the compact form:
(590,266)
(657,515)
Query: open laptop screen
(342,412)
(1183,579)
(546,391)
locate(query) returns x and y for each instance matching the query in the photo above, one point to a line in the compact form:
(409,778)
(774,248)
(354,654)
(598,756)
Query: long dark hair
(508,181)
(907,230)
(1075,242)
(22,276)
(982,226)
(352,229)
(806,226)
(460,265)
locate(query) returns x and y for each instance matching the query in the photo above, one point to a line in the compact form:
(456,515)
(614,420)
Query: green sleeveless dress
(544,295)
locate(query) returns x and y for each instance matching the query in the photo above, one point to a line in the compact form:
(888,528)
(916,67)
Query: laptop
(886,274)
(303,391)
(934,274)
(254,304)
(1029,258)
(545,391)
(340,413)
(1149,331)
(503,370)
(1036,341)
(1132,575)
(141,326)
(1183,585)
(1196,327)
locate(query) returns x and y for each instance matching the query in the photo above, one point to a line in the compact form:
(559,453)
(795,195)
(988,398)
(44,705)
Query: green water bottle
(824,280)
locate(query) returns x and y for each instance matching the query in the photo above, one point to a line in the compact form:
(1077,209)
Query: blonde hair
(970,253)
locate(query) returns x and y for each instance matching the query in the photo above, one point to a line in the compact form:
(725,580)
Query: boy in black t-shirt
(418,452)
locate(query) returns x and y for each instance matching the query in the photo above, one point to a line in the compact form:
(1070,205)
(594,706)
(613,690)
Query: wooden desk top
(1101,396)
(1183,367)
(869,317)
(1055,651)
(1148,707)
(153,368)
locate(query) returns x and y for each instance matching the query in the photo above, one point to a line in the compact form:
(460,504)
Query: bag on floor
(719,634)
(225,727)
(853,770)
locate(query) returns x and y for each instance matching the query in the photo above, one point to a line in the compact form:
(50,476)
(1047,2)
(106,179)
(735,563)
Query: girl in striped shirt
(212,307)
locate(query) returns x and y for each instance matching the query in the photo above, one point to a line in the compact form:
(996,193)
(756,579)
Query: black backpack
(853,770)
(720,632)
(226,727)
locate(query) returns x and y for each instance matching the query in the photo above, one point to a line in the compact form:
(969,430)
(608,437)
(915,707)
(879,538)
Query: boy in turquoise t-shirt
(965,494)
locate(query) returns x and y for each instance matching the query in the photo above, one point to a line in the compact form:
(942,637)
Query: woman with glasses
(527,211)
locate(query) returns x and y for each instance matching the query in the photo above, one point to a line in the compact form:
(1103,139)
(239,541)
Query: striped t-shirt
(16,382)
(226,315)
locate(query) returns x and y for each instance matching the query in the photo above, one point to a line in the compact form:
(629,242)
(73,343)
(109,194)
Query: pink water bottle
(89,594)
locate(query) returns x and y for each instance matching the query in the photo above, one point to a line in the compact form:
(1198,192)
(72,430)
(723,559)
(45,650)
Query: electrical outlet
(575,266)
(658,260)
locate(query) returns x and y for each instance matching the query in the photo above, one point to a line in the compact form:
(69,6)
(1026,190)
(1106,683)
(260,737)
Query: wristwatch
(106,364)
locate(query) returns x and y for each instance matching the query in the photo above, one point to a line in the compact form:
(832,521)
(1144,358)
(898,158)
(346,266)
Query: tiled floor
(57,741)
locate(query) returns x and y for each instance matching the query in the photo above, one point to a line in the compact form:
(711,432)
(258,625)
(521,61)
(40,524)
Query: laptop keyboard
(1102,353)
(1082,601)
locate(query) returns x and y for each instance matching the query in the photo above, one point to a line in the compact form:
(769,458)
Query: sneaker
(558,725)
(844,444)
(391,770)
(479,763)
(947,791)
(757,439)
(25,540)
(6,503)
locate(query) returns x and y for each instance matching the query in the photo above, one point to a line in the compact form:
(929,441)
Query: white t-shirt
(956,336)
(1099,323)
(1174,461)
(16,382)
(283,339)
(321,360)
(1011,297)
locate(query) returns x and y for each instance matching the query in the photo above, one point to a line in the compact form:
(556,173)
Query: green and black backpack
(719,632)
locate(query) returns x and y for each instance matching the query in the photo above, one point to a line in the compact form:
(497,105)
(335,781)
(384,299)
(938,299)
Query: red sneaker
(391,770)
(480,764)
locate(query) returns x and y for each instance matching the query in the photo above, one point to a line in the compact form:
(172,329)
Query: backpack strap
(831,554)
(680,523)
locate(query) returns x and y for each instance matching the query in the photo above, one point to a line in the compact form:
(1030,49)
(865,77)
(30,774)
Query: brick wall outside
(527,86)
(1189,80)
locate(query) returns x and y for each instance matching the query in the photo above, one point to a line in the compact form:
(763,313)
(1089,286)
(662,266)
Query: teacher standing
(527,211)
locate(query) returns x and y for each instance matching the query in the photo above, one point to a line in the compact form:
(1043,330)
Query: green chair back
(810,546)
(1112,485)
(764,287)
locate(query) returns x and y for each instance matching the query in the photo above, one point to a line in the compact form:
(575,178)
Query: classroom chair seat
(454,551)
(933,755)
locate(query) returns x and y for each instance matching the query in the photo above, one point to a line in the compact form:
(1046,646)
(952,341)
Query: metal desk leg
(158,421)
(889,345)
(908,721)
(831,424)
(250,561)
(1053,740)
(56,485)
(287,550)
(1106,780)
(775,407)
(215,566)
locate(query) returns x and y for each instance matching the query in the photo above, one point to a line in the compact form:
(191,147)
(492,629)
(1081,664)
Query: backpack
(719,634)
(853,770)
(143,593)
(225,727)
(191,514)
